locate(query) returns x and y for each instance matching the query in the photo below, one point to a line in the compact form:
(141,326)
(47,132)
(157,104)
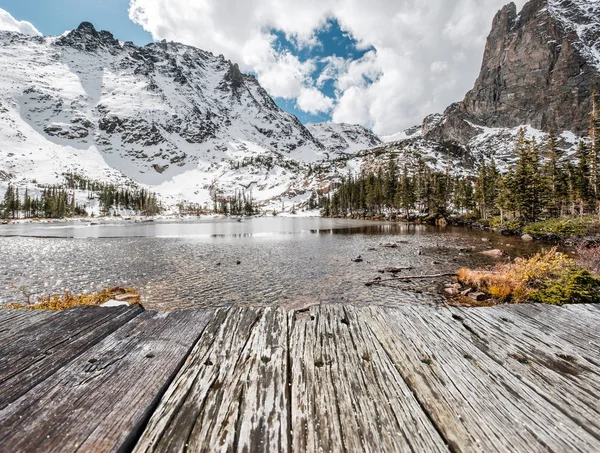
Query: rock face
(539,68)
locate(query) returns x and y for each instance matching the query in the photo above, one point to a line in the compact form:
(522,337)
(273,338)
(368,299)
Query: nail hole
(458,318)
(427,361)
(208,362)
(468,357)
(150,356)
(345,321)
(319,363)
(265,359)
(92,360)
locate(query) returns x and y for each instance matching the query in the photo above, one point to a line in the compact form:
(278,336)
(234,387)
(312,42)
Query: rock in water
(495,253)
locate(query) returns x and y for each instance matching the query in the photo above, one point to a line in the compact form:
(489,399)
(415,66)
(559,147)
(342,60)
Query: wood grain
(41,348)
(346,393)
(12,321)
(102,399)
(477,403)
(231,392)
(328,378)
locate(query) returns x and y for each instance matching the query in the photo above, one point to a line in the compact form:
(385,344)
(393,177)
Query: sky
(384,64)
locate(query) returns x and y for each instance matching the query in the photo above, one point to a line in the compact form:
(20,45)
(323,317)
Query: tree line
(55,202)
(542,183)
(240,203)
(59,201)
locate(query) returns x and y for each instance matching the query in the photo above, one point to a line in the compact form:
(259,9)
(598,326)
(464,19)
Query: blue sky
(332,42)
(53,17)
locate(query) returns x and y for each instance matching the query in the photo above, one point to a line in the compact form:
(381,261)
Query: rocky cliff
(539,68)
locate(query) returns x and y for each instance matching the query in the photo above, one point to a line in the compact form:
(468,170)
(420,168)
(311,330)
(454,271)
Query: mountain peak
(539,68)
(87,38)
(87,27)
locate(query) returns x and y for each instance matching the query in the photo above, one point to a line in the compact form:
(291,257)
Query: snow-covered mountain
(342,138)
(172,117)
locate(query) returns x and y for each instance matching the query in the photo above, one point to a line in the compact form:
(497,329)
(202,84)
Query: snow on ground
(413,132)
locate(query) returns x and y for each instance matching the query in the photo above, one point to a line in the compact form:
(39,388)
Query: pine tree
(406,192)
(594,151)
(554,178)
(527,182)
(583,192)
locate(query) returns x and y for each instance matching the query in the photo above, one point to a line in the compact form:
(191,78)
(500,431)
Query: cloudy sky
(384,64)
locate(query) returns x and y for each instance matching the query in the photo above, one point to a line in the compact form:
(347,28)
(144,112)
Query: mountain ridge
(166,115)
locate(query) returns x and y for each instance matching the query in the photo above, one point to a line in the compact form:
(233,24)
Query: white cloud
(426,53)
(313,101)
(9,23)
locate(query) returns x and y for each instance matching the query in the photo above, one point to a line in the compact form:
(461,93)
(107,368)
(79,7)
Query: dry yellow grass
(69,300)
(519,280)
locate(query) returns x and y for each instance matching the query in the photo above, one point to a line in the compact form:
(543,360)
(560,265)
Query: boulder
(478,296)
(451,291)
(527,237)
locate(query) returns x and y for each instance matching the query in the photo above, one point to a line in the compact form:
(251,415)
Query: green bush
(577,286)
(569,226)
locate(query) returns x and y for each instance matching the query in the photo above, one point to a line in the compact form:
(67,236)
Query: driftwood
(410,277)
(395,270)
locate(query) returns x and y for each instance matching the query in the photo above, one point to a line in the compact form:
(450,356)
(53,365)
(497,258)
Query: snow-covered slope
(175,118)
(497,143)
(581,17)
(343,138)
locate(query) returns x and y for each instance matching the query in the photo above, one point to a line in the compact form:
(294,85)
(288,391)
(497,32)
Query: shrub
(512,225)
(569,226)
(576,286)
(547,277)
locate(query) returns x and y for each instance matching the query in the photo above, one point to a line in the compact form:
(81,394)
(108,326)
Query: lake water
(290,261)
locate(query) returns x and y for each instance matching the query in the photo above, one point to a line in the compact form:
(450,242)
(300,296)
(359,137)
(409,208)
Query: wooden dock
(330,378)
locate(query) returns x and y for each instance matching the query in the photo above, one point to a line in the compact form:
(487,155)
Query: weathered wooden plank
(40,349)
(346,393)
(12,321)
(587,311)
(231,393)
(545,362)
(103,398)
(577,328)
(476,403)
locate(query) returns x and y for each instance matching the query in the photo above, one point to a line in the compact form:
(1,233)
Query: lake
(290,261)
